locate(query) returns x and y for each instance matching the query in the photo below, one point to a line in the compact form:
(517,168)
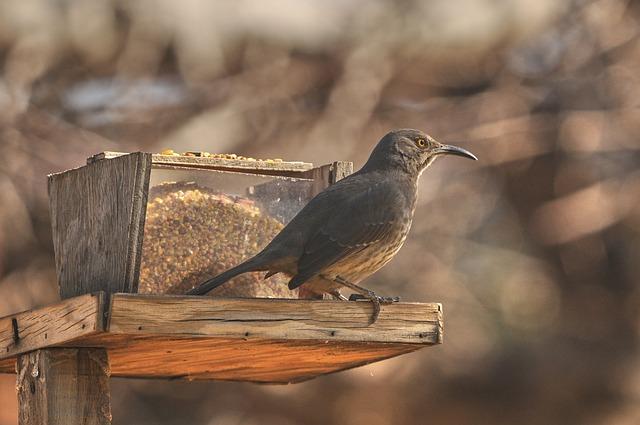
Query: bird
(352,228)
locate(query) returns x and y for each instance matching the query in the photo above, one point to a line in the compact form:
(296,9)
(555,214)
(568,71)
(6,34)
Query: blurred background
(534,250)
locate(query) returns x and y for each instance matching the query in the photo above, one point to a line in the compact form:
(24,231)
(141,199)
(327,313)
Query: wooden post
(64,386)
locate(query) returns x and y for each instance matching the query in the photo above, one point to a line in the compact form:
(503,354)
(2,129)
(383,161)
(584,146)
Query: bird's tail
(250,265)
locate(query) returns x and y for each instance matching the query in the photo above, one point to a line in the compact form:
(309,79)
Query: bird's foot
(376,300)
(366,294)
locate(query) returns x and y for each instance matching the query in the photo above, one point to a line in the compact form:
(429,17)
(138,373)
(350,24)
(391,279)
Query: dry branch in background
(544,225)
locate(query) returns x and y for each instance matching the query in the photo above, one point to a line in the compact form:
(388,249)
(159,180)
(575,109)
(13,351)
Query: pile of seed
(230,156)
(192,233)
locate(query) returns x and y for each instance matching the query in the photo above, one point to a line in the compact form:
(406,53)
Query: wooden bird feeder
(128,234)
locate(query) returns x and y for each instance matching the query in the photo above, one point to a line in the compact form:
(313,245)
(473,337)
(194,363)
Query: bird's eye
(421,143)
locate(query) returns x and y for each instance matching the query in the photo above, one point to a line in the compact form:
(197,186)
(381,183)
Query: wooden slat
(55,324)
(135,230)
(274,319)
(64,386)
(97,217)
(216,163)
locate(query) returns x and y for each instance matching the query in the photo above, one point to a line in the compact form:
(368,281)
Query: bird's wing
(357,221)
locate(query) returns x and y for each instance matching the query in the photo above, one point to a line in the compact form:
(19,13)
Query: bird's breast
(370,259)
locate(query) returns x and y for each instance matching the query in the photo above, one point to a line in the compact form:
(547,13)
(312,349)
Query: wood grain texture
(135,230)
(252,360)
(55,324)
(260,340)
(97,218)
(64,386)
(274,319)
(258,166)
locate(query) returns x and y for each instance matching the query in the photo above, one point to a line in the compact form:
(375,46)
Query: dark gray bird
(352,228)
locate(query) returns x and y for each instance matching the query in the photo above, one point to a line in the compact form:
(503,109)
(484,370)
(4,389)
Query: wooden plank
(55,324)
(97,218)
(257,166)
(135,231)
(274,319)
(64,386)
(252,360)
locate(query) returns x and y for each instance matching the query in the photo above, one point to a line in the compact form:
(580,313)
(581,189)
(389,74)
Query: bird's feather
(357,220)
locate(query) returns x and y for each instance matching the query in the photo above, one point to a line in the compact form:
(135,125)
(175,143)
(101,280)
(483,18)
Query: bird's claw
(376,300)
(389,300)
(382,300)
(376,310)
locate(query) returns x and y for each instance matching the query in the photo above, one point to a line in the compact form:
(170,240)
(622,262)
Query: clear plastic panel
(200,223)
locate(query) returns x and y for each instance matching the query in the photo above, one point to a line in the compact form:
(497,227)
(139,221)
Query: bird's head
(411,150)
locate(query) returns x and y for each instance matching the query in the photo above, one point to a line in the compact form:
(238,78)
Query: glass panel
(200,223)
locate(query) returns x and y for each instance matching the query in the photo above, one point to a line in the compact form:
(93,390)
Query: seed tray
(257,340)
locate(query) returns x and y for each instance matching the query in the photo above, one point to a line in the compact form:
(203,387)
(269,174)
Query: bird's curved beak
(454,150)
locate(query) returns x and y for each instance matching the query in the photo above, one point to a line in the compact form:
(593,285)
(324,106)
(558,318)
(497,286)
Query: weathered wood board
(97,220)
(410,323)
(51,325)
(259,340)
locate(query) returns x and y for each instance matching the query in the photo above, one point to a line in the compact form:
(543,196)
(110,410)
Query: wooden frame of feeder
(103,328)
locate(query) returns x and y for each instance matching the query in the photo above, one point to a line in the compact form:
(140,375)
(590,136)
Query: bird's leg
(338,296)
(368,294)
(364,293)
